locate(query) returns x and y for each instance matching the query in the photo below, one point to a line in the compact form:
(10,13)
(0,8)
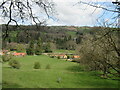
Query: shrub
(29,51)
(76,60)
(58,57)
(52,56)
(37,65)
(6,58)
(14,64)
(73,60)
(48,51)
(48,66)
(68,57)
(37,52)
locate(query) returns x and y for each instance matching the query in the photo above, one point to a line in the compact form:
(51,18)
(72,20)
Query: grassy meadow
(69,75)
(63,51)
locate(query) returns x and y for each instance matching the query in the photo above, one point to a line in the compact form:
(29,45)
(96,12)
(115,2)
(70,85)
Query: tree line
(56,35)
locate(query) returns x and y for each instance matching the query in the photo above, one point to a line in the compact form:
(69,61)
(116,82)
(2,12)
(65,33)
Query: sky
(72,13)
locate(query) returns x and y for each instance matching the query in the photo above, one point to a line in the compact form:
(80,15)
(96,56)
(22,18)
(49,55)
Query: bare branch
(96,6)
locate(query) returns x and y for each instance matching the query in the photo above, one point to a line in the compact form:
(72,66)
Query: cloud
(71,14)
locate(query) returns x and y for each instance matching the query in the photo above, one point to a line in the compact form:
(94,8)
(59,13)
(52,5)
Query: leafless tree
(22,10)
(112,8)
(101,53)
(97,5)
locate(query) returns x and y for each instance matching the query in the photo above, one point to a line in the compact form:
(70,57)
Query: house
(76,56)
(62,56)
(19,54)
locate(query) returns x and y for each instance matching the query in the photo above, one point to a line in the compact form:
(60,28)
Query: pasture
(62,74)
(63,51)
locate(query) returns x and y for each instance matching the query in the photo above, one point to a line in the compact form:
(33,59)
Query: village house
(19,54)
(76,57)
(62,56)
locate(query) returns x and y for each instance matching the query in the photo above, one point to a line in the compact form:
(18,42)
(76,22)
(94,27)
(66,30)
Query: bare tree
(112,7)
(101,53)
(22,10)
(96,5)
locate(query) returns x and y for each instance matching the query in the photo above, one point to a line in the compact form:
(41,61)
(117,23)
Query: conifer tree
(47,48)
(30,49)
(38,49)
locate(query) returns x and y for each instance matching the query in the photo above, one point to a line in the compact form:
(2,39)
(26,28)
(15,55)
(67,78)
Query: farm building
(62,56)
(19,54)
(76,56)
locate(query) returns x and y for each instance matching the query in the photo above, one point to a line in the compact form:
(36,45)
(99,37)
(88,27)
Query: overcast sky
(70,12)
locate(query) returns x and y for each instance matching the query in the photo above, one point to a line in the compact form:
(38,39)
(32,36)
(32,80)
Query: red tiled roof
(18,54)
(76,56)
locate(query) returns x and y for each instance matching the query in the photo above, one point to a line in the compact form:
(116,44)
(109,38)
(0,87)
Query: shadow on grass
(91,79)
(76,68)
(6,84)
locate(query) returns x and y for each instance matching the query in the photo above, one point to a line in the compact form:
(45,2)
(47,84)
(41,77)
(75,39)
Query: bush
(58,57)
(29,51)
(14,64)
(37,65)
(76,60)
(37,52)
(48,51)
(48,66)
(68,57)
(52,56)
(6,58)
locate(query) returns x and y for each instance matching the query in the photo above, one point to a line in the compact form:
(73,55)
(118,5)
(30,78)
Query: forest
(59,37)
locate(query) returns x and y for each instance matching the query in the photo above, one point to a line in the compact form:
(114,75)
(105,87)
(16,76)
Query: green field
(63,51)
(69,74)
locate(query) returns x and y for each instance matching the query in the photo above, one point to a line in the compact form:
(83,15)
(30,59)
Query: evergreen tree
(38,49)
(30,49)
(47,48)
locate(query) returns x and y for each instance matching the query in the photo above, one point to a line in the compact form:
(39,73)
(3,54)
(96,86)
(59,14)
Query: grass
(70,74)
(64,51)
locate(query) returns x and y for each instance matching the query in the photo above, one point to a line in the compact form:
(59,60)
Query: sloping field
(62,74)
